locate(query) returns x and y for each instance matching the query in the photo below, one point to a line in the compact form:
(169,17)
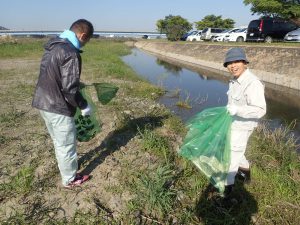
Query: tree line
(176,26)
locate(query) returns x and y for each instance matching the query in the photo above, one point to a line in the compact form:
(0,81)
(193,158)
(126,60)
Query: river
(203,89)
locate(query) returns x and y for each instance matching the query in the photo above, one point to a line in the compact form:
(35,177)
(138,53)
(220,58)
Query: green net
(86,126)
(105,92)
(207,144)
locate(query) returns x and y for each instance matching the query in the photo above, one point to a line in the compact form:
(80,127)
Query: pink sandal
(78,180)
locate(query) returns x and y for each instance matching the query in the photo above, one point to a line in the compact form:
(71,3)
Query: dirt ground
(109,158)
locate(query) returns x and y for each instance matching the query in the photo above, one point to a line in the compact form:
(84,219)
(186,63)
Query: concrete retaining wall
(275,65)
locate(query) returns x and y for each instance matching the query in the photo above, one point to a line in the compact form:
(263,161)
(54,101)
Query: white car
(221,36)
(292,36)
(238,36)
(195,37)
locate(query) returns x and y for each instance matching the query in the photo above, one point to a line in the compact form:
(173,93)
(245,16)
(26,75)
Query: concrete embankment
(272,64)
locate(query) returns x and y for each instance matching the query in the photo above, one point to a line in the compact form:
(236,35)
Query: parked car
(269,29)
(195,37)
(221,36)
(184,37)
(238,36)
(209,33)
(293,36)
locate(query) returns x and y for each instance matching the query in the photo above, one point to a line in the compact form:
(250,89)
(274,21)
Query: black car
(269,29)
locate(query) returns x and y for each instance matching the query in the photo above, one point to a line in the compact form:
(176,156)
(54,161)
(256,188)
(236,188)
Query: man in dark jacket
(57,96)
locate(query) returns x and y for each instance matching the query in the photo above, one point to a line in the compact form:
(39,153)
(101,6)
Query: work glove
(87,111)
(232,110)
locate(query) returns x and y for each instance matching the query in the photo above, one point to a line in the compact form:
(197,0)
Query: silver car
(293,36)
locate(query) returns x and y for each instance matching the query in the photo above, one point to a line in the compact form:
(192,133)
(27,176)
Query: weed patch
(11,118)
(275,149)
(19,184)
(153,191)
(156,144)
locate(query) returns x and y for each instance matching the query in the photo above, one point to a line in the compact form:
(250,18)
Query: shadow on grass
(118,138)
(213,210)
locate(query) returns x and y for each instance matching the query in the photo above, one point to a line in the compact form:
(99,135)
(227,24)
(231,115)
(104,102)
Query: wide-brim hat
(235,54)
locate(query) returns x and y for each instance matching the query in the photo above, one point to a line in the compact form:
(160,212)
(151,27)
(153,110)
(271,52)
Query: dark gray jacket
(57,88)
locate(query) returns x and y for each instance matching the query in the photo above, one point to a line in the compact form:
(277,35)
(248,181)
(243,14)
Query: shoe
(228,191)
(227,200)
(243,175)
(78,180)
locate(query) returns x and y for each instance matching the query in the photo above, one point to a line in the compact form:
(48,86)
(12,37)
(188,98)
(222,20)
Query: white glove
(86,111)
(232,110)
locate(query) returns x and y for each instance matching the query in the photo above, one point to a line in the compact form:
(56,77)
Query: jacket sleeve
(70,81)
(256,103)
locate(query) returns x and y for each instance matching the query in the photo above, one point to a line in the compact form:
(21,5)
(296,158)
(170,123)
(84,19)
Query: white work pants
(63,133)
(238,141)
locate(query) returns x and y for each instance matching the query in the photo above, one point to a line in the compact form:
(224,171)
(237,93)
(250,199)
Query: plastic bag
(86,126)
(105,92)
(207,144)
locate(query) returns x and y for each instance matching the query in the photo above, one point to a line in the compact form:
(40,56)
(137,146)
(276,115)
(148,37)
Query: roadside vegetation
(138,177)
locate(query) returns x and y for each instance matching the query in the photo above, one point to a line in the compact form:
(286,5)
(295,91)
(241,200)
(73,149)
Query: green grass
(276,168)
(4,139)
(22,48)
(175,125)
(12,117)
(184,103)
(20,184)
(21,91)
(102,58)
(154,192)
(144,90)
(156,144)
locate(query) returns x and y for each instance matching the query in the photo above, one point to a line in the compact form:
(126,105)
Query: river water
(203,89)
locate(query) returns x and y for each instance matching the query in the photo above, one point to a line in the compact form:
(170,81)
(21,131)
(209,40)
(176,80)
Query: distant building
(3,28)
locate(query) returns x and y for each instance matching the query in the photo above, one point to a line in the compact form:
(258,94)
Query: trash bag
(105,92)
(86,126)
(207,144)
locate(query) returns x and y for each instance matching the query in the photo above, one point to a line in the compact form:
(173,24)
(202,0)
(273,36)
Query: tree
(288,9)
(173,26)
(214,21)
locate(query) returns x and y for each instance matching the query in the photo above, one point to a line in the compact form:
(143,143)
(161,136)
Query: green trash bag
(105,92)
(207,144)
(86,126)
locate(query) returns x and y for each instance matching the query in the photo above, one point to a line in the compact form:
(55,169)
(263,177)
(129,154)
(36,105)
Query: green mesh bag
(207,144)
(105,92)
(86,126)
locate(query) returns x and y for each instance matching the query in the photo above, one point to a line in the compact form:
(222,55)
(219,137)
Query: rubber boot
(243,175)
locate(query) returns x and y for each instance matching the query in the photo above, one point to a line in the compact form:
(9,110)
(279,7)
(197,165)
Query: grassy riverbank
(138,177)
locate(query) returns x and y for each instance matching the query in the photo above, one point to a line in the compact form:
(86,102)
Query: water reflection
(204,88)
(169,67)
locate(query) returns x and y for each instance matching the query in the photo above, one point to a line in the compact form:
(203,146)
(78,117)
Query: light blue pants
(63,133)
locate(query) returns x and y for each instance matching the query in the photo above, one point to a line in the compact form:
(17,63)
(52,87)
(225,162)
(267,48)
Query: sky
(115,15)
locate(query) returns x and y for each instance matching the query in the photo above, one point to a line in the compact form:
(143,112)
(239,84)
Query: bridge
(29,33)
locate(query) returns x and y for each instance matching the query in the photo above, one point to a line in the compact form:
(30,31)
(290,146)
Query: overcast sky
(114,15)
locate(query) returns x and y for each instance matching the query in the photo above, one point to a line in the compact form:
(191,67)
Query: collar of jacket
(71,36)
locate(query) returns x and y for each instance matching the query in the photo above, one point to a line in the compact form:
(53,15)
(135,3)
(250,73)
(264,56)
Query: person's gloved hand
(232,110)
(86,111)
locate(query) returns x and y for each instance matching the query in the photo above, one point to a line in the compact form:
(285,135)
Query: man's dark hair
(83,26)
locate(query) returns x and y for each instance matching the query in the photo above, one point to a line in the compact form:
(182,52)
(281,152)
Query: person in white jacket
(246,105)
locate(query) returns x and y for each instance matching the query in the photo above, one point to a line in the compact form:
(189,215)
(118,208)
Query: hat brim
(226,63)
